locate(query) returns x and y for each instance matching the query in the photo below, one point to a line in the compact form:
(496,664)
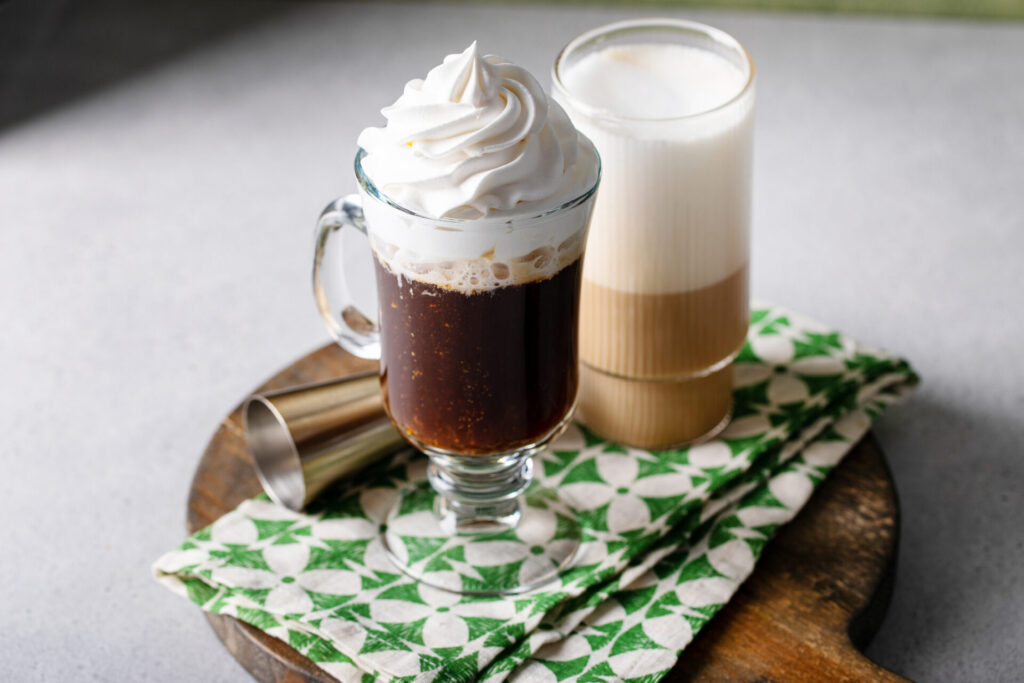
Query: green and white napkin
(668,537)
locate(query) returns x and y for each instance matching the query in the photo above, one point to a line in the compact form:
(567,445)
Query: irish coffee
(479,372)
(669,105)
(475,197)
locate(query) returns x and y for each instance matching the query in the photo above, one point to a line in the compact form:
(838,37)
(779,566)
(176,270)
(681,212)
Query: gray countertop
(155,236)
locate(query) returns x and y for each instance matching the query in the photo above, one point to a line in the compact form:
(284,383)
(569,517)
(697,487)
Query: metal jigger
(304,438)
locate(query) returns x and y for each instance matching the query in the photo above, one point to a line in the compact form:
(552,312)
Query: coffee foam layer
(673,212)
(479,255)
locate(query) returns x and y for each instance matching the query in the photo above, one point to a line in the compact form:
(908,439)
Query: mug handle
(354,330)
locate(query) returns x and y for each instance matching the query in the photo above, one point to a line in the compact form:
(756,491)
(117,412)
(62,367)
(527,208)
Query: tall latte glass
(670,107)
(476,199)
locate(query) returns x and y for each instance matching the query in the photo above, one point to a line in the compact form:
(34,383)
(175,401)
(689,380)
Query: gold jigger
(304,438)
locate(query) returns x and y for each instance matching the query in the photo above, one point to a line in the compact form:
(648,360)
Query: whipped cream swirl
(477,137)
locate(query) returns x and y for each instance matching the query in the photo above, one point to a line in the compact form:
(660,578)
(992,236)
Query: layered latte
(665,284)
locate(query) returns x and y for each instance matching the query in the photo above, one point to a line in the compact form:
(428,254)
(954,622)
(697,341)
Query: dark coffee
(478,373)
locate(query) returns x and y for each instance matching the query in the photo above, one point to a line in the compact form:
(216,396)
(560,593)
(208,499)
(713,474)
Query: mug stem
(479,498)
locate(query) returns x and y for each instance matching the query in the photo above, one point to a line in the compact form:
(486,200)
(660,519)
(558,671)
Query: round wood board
(819,591)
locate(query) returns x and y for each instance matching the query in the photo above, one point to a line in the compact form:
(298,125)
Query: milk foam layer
(475,152)
(649,81)
(674,209)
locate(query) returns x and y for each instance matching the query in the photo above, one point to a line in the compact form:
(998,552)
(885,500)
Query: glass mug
(477,336)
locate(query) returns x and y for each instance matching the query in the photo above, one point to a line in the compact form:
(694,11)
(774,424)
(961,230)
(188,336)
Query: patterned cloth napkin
(668,537)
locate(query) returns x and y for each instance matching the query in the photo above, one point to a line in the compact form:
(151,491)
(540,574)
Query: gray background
(159,180)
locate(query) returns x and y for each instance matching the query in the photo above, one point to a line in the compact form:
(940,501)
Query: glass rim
(485,222)
(634,25)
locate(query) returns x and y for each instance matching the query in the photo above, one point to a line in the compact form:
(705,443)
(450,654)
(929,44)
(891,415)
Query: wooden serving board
(818,593)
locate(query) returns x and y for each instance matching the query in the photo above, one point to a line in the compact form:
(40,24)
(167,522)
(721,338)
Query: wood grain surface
(818,593)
